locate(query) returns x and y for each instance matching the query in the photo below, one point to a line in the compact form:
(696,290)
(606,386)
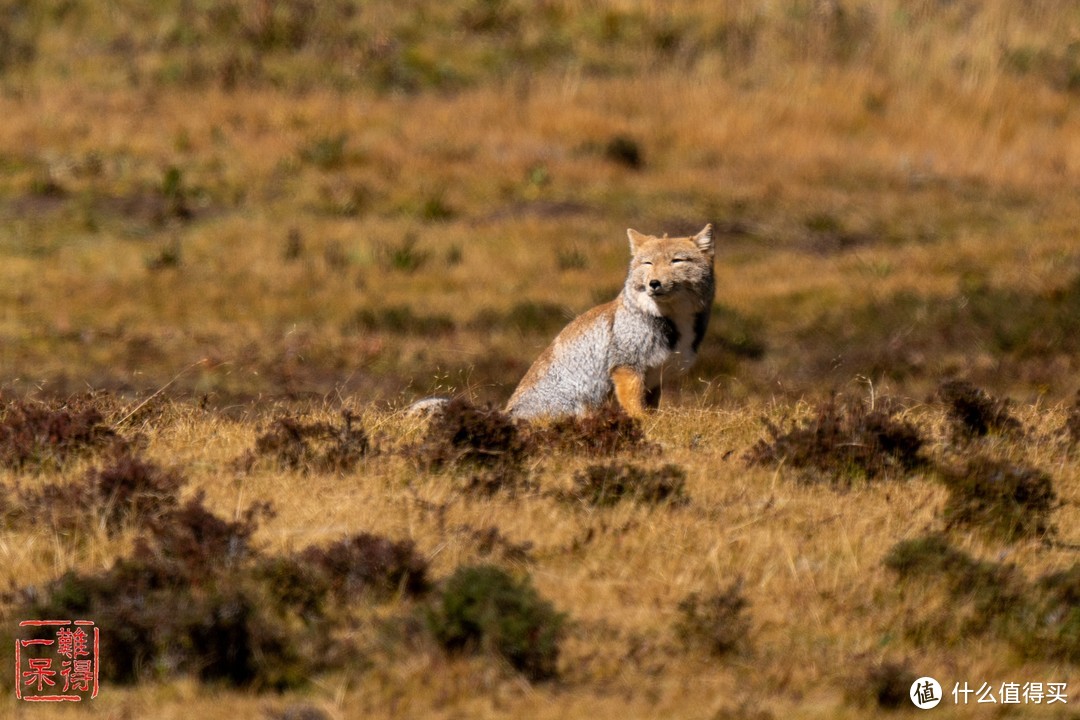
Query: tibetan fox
(623,347)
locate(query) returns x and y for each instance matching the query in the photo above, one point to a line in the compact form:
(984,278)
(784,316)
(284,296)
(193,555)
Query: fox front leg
(629,390)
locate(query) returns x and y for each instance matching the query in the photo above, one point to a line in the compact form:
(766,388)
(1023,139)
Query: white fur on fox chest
(640,342)
(678,359)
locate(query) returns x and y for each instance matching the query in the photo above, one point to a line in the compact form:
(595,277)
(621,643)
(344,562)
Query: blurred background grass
(289,198)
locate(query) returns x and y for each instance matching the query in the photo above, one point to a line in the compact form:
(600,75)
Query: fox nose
(654,284)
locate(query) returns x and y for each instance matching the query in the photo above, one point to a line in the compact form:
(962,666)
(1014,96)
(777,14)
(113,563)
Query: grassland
(227,213)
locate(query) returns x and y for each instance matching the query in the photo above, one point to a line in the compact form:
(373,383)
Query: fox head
(668,274)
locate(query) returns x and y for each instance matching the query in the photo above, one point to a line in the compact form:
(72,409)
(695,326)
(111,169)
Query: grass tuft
(325,153)
(975,412)
(1072,421)
(884,685)
(524,317)
(603,432)
(625,151)
(311,447)
(719,622)
(611,483)
(404,256)
(399,320)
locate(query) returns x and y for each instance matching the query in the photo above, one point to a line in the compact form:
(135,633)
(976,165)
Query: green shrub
(482,608)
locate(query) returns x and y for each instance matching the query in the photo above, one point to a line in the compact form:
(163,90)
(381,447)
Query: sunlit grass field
(221,214)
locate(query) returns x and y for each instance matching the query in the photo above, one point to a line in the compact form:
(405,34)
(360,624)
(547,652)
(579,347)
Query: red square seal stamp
(59,662)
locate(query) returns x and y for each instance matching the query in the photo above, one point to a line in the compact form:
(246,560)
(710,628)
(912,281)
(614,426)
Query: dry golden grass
(232,203)
(822,606)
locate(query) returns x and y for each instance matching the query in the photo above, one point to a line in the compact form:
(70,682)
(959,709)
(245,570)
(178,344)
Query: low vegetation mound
(611,483)
(37,434)
(975,412)
(179,603)
(368,564)
(483,609)
(483,443)
(311,447)
(461,434)
(1006,500)
(196,597)
(1040,618)
(842,441)
(606,431)
(128,488)
(719,623)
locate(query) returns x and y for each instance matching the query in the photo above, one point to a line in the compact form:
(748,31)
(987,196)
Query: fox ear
(637,240)
(704,240)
